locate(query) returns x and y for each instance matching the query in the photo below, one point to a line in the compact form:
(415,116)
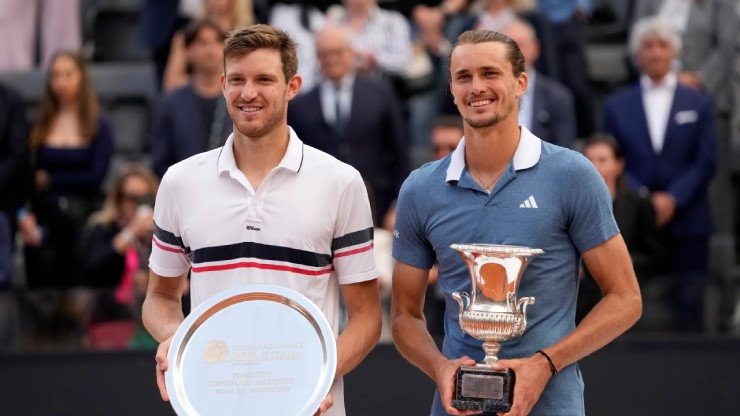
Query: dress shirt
(657,99)
(329,98)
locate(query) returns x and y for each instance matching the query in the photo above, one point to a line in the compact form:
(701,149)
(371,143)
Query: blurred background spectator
(667,133)
(193,118)
(157,23)
(381,38)
(636,220)
(707,29)
(115,257)
(72,146)
(227,14)
(354,117)
(302,20)
(547,107)
(568,20)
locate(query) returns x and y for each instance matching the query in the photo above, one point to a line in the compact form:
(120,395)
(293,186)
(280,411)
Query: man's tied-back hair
(483,36)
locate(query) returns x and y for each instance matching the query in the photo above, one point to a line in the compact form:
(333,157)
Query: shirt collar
(292,160)
(345,83)
(527,154)
(669,82)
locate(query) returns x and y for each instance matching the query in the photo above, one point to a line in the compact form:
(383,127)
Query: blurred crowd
(76,217)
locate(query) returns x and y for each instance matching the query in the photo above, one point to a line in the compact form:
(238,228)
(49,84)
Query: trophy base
(479,388)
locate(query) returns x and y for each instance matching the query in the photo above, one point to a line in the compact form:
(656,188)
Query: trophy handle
(521,306)
(459,296)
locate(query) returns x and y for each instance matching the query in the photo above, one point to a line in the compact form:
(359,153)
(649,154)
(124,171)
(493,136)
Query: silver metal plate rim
(291,299)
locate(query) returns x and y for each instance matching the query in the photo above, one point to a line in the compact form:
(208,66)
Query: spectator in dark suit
(355,118)
(193,118)
(668,136)
(13,174)
(707,29)
(547,108)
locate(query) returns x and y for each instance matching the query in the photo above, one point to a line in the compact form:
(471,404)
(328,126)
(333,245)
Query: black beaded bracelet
(553,370)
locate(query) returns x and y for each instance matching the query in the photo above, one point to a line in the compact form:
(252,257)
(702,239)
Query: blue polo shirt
(550,198)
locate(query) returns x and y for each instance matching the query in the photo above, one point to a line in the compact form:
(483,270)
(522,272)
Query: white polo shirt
(308,227)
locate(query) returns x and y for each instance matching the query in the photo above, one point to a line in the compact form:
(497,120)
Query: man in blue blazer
(193,118)
(547,106)
(354,118)
(668,136)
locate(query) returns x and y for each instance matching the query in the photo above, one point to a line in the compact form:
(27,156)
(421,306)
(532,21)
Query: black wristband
(553,370)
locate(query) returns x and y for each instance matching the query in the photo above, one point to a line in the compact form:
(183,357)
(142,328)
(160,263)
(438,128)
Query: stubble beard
(256,131)
(481,124)
(491,121)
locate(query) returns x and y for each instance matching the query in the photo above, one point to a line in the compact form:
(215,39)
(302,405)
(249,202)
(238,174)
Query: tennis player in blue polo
(503,185)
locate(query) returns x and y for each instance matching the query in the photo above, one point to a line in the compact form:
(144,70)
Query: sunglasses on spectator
(138,199)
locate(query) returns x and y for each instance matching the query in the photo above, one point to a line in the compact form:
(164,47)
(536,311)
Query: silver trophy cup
(491,313)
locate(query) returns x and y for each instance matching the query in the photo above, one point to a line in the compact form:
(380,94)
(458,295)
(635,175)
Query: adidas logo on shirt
(529,203)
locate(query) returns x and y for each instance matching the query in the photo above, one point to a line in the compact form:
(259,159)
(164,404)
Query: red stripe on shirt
(165,248)
(355,251)
(255,265)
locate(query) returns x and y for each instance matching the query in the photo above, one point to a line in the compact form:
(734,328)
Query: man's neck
(490,149)
(206,85)
(257,156)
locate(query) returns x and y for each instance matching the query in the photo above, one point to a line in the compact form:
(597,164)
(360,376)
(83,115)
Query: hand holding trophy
(492,314)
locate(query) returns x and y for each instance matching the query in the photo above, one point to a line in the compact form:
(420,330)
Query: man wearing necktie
(360,120)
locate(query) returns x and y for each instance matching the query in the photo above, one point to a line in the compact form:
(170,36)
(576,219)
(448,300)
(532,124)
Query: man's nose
(249,91)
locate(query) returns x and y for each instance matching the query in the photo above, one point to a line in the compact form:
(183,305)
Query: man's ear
(522,83)
(294,86)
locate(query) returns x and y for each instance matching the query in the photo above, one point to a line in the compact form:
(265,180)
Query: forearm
(612,316)
(357,340)
(162,313)
(415,344)
(619,308)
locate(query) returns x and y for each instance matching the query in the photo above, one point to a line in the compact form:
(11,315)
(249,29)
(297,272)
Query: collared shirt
(308,227)
(329,92)
(386,35)
(658,99)
(526,112)
(549,197)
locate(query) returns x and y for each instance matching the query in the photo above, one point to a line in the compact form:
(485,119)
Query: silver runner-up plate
(252,350)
